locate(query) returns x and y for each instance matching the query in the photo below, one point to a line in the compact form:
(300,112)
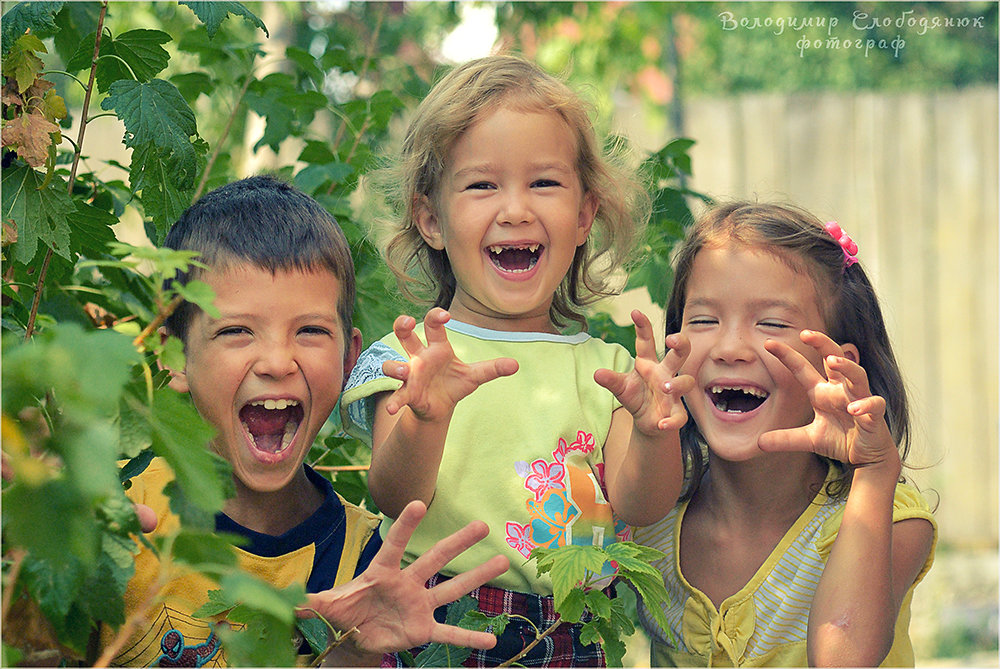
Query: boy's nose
(276,361)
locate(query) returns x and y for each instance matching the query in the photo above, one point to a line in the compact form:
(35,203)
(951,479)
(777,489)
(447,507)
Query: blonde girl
(512,219)
(796,541)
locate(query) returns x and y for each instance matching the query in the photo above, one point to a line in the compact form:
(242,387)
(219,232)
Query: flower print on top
(567,504)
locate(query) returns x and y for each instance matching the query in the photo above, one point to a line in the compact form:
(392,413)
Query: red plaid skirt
(562,648)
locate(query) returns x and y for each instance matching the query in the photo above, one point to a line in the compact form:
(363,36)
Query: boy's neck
(274,513)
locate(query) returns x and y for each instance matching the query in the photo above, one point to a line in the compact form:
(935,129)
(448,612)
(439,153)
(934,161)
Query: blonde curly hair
(455,103)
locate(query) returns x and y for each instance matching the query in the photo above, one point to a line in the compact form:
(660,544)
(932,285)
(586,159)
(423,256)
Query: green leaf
(181,437)
(51,521)
(154,113)
(172,354)
(140,49)
(264,642)
(568,566)
(135,466)
(261,596)
(91,229)
(571,605)
(199,293)
(218,603)
(193,84)
(36,17)
(21,63)
(204,550)
(163,182)
(212,14)
(315,632)
(40,215)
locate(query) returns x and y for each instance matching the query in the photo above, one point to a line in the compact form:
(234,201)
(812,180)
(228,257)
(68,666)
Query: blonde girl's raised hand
(434,379)
(651,391)
(849,423)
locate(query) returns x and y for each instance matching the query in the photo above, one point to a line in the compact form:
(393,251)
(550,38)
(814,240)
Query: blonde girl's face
(510,215)
(738,297)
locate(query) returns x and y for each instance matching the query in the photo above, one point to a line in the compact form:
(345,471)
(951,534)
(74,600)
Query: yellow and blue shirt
(329,548)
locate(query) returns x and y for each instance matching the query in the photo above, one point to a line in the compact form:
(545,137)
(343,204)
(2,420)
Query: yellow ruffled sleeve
(907,503)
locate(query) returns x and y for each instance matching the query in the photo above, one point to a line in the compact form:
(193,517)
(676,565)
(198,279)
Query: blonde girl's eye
(479,185)
(545,183)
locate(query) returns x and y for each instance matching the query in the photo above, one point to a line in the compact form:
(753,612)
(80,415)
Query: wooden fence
(913,178)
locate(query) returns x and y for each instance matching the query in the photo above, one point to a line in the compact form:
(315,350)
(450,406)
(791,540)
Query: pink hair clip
(846,243)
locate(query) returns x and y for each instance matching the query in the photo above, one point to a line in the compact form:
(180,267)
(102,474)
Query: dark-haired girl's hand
(652,391)
(849,423)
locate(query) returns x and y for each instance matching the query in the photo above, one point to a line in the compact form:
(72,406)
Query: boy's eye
(314,330)
(776,325)
(701,320)
(233,330)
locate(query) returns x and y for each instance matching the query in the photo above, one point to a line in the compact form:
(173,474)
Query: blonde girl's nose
(514,209)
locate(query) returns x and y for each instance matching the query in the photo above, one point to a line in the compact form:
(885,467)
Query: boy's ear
(427,222)
(852,353)
(178,378)
(588,212)
(352,351)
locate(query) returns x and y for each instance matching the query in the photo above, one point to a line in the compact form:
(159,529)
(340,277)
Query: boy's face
(267,373)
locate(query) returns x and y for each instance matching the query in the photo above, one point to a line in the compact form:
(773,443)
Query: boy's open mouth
(271,424)
(515,258)
(736,399)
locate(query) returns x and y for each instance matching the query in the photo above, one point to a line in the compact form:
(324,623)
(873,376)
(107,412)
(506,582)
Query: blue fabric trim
(325,528)
(361,413)
(503,335)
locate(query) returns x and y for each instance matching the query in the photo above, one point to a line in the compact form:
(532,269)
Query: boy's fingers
(453,588)
(456,636)
(147,517)
(399,534)
(447,549)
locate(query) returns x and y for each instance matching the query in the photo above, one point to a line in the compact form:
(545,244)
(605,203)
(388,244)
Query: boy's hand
(849,423)
(391,608)
(652,391)
(434,380)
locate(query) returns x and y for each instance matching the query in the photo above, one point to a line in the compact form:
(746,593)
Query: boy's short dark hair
(264,222)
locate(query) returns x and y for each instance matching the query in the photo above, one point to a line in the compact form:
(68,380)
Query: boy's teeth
(275,404)
(286,436)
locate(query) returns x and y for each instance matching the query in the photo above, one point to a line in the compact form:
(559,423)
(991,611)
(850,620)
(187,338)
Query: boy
(266,374)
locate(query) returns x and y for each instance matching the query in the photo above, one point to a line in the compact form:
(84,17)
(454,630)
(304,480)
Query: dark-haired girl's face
(737,298)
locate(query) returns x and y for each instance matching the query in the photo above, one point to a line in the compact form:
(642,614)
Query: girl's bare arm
(411,423)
